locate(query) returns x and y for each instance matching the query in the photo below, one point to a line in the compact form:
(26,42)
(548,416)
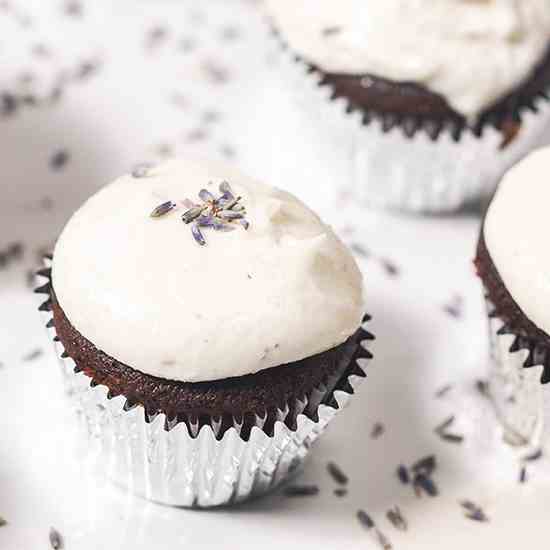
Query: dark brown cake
(527,335)
(413,107)
(312,380)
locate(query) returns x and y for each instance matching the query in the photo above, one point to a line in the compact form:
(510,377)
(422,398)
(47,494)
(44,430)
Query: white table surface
(191,90)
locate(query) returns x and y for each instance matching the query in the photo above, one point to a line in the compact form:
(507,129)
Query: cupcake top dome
(516,235)
(254,279)
(472,52)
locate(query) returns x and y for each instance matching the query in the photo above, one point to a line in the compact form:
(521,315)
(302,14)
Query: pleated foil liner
(188,466)
(393,164)
(521,400)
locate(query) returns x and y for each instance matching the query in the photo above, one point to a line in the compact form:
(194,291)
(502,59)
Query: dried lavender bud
(403,474)
(301,491)
(2,522)
(230,215)
(162,209)
(15,251)
(331,31)
(8,104)
(396,518)
(389,267)
(535,455)
(245,224)
(365,520)
(192,214)
(33,355)
(523,475)
(217,225)
(377,430)
(444,390)
(56,541)
(451,438)
(423,482)
(340,492)
(445,424)
(473,511)
(482,387)
(425,465)
(230,203)
(225,189)
(73,8)
(337,474)
(59,159)
(206,196)
(197,234)
(383,540)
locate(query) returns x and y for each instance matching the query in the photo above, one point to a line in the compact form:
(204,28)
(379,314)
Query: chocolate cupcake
(513,263)
(209,327)
(438,98)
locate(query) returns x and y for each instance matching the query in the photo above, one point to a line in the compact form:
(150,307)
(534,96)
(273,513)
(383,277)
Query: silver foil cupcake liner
(190,465)
(521,400)
(392,167)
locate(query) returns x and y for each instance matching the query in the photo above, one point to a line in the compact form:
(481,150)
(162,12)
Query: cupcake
(428,102)
(209,327)
(513,263)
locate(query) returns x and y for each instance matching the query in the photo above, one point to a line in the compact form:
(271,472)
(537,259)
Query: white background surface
(143,103)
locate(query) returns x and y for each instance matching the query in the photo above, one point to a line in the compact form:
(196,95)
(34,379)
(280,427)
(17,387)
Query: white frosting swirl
(516,234)
(470,51)
(143,291)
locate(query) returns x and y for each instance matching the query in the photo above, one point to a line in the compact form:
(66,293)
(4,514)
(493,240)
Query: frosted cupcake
(513,261)
(435,99)
(210,326)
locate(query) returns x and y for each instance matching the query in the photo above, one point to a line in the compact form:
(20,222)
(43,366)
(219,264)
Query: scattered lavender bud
(56,541)
(59,159)
(8,104)
(337,474)
(423,483)
(2,522)
(33,355)
(396,518)
(155,37)
(403,474)
(206,196)
(301,491)
(340,492)
(444,390)
(383,541)
(445,424)
(377,430)
(482,387)
(331,31)
(425,465)
(535,455)
(389,267)
(73,8)
(473,511)
(523,475)
(162,209)
(365,520)
(197,234)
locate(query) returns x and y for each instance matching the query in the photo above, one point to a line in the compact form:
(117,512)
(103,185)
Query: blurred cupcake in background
(209,327)
(513,262)
(429,102)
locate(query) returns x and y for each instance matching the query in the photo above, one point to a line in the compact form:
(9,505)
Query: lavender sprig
(220,213)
